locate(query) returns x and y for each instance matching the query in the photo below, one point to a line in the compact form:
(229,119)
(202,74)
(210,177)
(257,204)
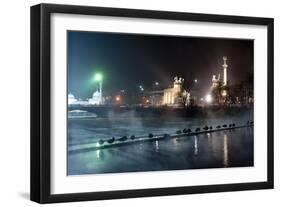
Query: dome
(96,94)
(71,96)
(71,99)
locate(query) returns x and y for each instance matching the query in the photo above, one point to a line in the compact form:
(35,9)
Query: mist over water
(230,148)
(129,123)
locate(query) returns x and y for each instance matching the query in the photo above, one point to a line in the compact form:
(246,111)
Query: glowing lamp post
(118,99)
(141,88)
(224,93)
(98,77)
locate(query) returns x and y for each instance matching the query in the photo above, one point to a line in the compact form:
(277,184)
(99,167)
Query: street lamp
(224,93)
(141,88)
(98,77)
(117,99)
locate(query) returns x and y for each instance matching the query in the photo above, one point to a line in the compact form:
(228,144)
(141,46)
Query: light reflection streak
(225,150)
(195,145)
(156,146)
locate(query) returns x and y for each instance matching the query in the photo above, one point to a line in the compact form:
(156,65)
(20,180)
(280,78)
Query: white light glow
(208,98)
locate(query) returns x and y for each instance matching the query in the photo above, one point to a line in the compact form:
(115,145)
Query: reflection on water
(225,150)
(195,145)
(233,148)
(156,146)
(98,154)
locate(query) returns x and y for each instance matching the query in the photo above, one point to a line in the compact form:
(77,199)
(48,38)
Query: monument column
(224,70)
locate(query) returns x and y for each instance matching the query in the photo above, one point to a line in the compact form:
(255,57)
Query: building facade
(71,99)
(96,98)
(175,95)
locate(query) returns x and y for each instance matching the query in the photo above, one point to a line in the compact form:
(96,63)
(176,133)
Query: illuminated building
(74,101)
(215,81)
(96,98)
(71,99)
(175,95)
(156,97)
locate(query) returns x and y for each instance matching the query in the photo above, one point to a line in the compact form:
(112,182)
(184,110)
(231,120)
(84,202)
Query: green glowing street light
(98,77)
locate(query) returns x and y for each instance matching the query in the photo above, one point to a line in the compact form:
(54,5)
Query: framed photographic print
(132,103)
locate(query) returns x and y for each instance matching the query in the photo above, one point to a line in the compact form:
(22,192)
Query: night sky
(128,60)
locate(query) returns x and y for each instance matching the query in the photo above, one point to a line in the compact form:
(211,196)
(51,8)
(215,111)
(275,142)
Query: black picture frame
(41,96)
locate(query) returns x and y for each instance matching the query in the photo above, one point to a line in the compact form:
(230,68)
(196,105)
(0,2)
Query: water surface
(230,148)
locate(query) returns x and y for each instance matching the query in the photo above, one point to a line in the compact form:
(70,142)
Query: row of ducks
(205,128)
(124,138)
(184,131)
(250,122)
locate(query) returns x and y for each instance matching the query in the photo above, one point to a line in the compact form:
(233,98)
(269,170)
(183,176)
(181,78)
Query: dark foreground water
(230,148)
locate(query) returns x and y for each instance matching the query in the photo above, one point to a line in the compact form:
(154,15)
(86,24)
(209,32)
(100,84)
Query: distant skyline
(128,60)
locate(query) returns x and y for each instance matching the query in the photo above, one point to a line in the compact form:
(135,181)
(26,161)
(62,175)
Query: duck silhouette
(110,141)
(211,128)
(197,130)
(218,127)
(132,137)
(224,126)
(178,132)
(184,130)
(166,136)
(205,127)
(101,142)
(150,135)
(122,139)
